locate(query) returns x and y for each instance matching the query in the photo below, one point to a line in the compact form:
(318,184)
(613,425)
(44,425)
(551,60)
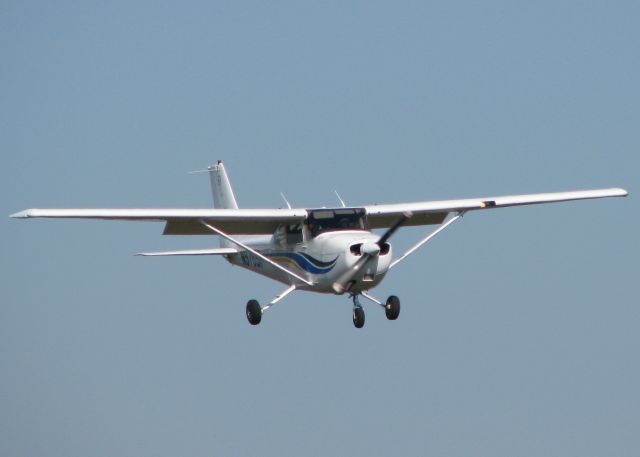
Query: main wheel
(358,317)
(392,308)
(254,312)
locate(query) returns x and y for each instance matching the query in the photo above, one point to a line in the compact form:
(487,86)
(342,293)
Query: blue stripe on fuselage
(305,261)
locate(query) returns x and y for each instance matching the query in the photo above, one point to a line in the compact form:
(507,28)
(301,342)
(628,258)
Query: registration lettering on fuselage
(251,260)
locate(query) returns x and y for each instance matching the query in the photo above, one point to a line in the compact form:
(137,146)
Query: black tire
(392,308)
(254,312)
(358,317)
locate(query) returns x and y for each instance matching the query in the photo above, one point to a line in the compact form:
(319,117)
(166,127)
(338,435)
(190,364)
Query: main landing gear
(255,311)
(391,308)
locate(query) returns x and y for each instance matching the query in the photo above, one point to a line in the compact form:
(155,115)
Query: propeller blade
(342,284)
(396,225)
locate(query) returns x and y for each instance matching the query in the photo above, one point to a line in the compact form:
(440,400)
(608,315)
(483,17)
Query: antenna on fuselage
(341,201)
(285,200)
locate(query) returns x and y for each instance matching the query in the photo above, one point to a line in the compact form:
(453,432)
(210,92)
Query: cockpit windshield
(329,220)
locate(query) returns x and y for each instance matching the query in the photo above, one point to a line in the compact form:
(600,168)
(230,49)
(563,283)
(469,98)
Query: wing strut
(256,253)
(427,238)
(279,297)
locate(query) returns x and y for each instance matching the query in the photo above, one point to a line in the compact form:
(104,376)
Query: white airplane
(327,250)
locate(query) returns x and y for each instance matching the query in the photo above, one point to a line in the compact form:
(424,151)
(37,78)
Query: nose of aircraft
(368,262)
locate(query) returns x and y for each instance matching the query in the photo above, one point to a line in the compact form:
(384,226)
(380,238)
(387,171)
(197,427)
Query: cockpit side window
(287,234)
(294,233)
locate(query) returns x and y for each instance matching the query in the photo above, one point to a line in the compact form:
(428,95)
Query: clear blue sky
(519,330)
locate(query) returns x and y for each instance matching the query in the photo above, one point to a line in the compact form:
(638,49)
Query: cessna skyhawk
(327,250)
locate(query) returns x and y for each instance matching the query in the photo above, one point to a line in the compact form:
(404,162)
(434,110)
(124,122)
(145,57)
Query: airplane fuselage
(321,260)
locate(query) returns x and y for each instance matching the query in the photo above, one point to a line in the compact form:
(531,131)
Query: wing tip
(21,214)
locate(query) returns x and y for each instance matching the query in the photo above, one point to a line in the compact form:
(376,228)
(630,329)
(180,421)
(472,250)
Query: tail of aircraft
(221,190)
(222,193)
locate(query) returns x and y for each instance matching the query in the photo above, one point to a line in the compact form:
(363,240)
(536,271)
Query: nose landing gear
(358,312)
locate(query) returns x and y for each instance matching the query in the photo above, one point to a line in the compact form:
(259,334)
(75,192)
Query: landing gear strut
(255,311)
(391,308)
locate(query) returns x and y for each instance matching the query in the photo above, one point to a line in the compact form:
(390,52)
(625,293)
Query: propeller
(369,251)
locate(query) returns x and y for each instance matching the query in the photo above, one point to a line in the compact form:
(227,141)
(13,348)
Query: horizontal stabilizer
(218,251)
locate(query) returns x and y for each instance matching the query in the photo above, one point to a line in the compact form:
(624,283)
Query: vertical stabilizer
(221,190)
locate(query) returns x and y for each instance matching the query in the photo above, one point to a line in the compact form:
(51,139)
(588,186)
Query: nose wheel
(358,313)
(358,317)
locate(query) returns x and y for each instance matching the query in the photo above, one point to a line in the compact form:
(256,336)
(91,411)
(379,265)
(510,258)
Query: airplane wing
(185,221)
(435,212)
(265,221)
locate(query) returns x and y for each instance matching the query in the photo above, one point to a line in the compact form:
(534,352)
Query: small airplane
(326,250)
